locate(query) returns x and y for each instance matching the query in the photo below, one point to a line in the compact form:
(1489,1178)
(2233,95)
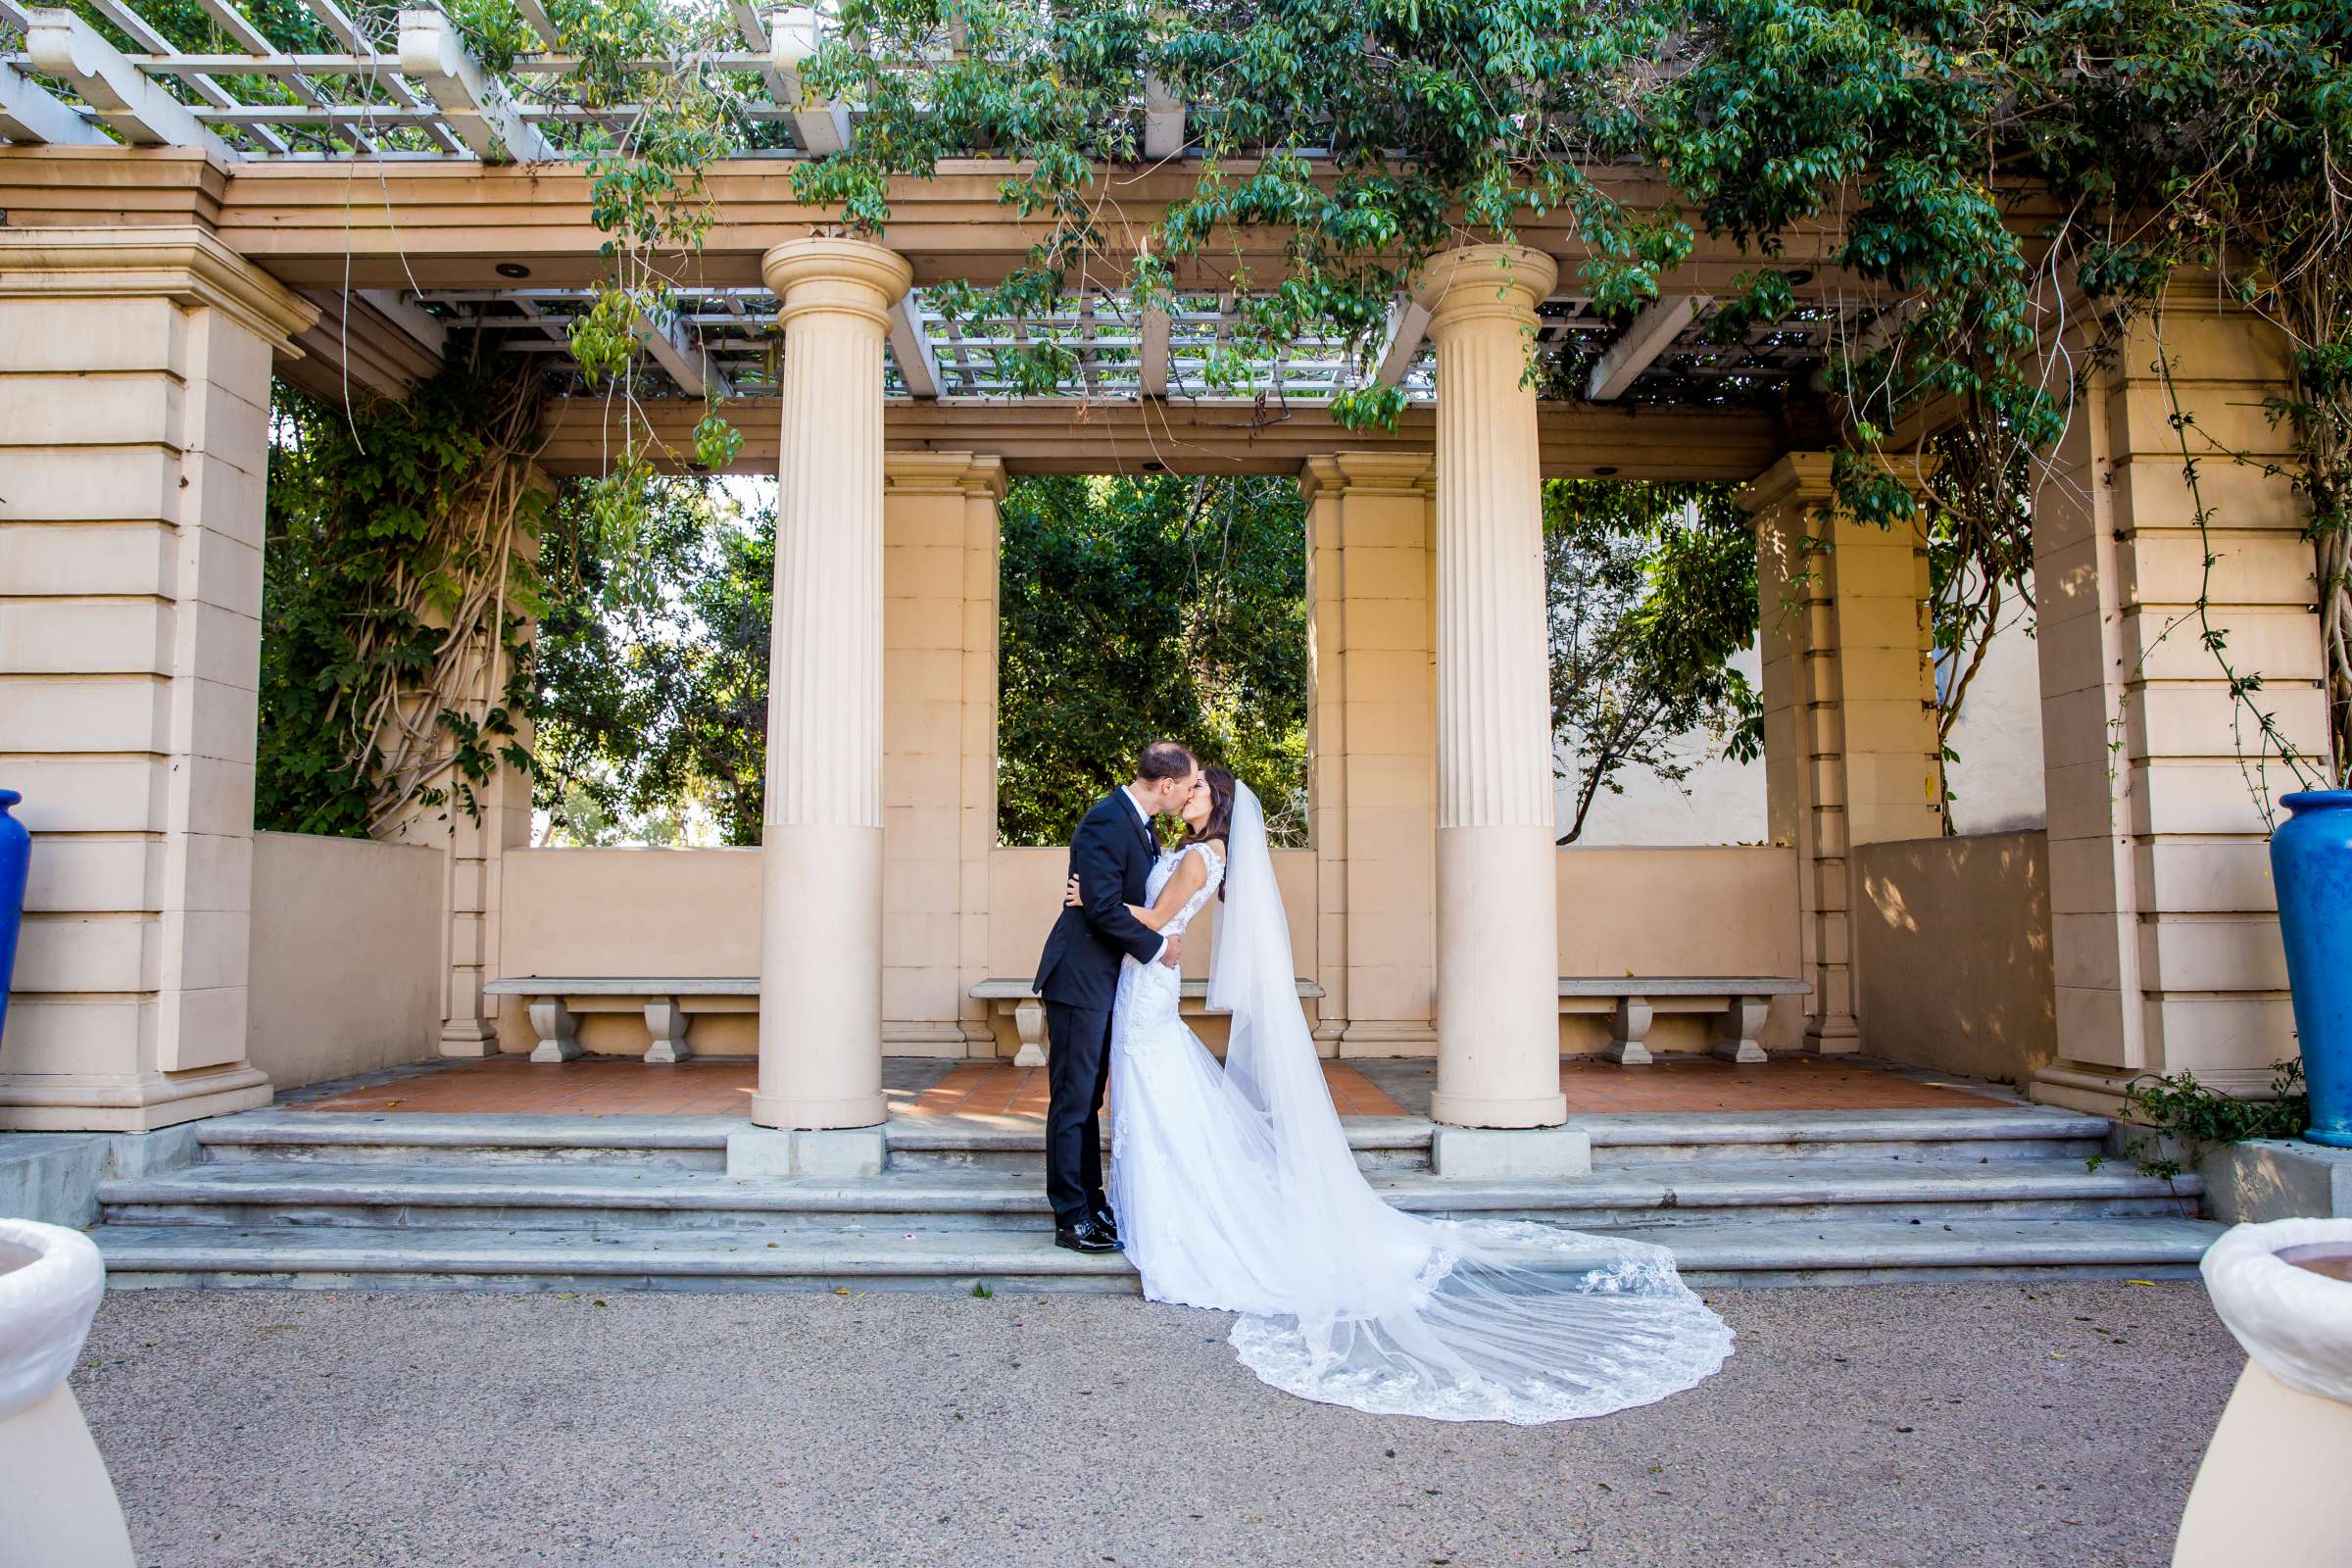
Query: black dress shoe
(1108,1221)
(1085,1237)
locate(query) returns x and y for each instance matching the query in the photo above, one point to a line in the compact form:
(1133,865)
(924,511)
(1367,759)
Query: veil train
(1397,1315)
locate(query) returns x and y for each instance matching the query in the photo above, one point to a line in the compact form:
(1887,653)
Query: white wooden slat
(212,92)
(791,34)
(675,351)
(477,107)
(32,113)
(912,347)
(1152,359)
(1408,325)
(536,15)
(63,45)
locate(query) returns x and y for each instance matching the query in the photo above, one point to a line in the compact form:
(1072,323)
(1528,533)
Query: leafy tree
(1132,609)
(653,692)
(1652,592)
(1140,609)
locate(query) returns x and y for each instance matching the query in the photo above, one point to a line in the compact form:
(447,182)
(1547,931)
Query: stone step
(1382,1144)
(1996,1133)
(580,1197)
(1729,1254)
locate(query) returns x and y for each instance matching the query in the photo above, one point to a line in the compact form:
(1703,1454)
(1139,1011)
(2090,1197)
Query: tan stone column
(939,708)
(2164,922)
(1849,710)
(1497,921)
(134,418)
(1372,745)
(821,956)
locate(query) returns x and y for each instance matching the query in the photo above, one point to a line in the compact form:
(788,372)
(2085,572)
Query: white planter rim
(2297,1324)
(46,1305)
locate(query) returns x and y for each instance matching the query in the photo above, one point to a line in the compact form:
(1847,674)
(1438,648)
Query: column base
(839,1153)
(784,1113)
(1541,1111)
(53,1103)
(463,1039)
(1833,1037)
(1539,1154)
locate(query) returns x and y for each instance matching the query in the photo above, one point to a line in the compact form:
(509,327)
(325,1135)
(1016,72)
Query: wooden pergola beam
(1164,121)
(1151,353)
(1651,334)
(1576,440)
(477,107)
(792,40)
(64,46)
(682,358)
(912,347)
(1408,325)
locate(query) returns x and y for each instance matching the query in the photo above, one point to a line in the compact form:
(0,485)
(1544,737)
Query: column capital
(1373,473)
(847,276)
(1810,477)
(1485,283)
(185,263)
(946,474)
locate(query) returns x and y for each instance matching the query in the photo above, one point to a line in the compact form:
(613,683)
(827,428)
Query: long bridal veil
(1460,1321)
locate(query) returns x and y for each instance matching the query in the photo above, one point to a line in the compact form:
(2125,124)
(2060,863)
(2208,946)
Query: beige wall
(345,973)
(1953,949)
(1726,909)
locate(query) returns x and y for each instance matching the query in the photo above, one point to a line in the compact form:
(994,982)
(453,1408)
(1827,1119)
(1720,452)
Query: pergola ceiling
(399,91)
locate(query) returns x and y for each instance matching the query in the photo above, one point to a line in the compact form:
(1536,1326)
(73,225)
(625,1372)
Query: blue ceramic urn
(2311,865)
(16,859)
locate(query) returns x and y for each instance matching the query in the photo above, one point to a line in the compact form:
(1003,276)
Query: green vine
(2184,1118)
(399,587)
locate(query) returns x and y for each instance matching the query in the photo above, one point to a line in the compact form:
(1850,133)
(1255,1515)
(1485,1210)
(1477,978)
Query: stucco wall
(346,953)
(1666,911)
(1954,954)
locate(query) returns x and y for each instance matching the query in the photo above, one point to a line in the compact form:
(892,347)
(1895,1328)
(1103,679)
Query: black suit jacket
(1111,853)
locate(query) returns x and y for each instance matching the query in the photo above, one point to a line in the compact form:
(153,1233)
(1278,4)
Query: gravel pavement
(1929,1426)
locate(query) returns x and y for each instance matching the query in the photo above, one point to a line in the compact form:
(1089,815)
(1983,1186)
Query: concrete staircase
(300,1199)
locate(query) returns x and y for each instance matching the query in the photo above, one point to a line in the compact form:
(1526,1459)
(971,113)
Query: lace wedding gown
(1235,1190)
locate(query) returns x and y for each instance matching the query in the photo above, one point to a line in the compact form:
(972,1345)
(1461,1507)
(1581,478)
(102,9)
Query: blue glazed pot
(2311,865)
(16,859)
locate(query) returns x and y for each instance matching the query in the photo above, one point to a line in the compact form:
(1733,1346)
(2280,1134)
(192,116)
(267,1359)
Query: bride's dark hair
(1220,813)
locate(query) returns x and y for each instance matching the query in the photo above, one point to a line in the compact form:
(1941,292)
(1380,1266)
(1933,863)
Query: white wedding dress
(1235,1190)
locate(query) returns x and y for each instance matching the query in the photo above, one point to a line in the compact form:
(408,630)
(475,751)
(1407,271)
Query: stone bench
(1020,998)
(555,999)
(1631,1001)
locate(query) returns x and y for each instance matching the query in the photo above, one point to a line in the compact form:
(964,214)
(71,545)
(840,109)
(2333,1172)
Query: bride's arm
(1182,886)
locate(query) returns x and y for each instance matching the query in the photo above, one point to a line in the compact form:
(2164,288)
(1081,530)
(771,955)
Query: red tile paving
(722,1086)
(999,1088)
(1785,1083)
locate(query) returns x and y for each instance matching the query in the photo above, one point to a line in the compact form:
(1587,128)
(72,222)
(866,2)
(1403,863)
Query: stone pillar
(1849,709)
(2164,922)
(135,421)
(1498,1038)
(939,577)
(1372,745)
(821,954)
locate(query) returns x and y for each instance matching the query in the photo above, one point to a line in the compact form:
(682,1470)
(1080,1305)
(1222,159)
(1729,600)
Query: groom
(1111,854)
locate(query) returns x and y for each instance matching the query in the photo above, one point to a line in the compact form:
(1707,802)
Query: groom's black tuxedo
(1111,853)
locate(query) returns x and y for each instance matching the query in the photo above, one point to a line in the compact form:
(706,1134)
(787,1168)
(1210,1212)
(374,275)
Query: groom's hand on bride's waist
(1171,950)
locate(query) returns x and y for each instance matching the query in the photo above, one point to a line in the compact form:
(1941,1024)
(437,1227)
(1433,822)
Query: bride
(1235,1190)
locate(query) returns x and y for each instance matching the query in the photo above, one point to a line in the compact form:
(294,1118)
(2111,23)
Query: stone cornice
(847,276)
(1480,282)
(948,473)
(1369,474)
(182,263)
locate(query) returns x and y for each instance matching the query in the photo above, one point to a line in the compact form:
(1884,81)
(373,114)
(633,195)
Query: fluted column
(1497,922)
(820,950)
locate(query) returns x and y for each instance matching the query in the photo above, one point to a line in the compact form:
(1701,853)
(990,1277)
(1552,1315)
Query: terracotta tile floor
(1787,1083)
(722,1086)
(999,1088)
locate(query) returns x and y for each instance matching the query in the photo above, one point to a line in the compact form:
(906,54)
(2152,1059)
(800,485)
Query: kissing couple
(1231,1186)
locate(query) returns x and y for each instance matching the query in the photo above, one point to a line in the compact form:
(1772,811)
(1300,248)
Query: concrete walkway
(1926,1427)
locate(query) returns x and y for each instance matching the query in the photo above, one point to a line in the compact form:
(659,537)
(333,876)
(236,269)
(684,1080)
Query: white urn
(56,1504)
(2272,1486)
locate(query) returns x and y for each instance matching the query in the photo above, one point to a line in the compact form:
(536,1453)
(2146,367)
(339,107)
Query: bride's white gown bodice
(1232,1196)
